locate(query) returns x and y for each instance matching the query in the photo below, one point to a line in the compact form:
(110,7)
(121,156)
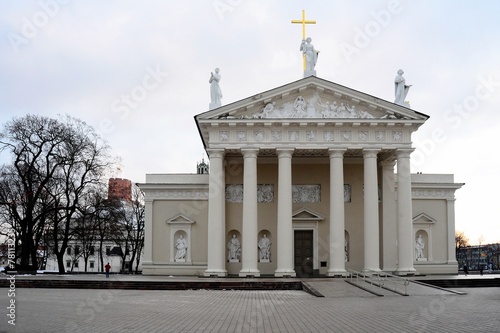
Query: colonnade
(285,251)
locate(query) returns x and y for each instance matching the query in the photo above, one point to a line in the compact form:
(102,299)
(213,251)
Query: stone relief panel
(224,136)
(397,136)
(241,136)
(328,136)
(345,135)
(276,135)
(311,107)
(379,136)
(311,135)
(306,193)
(234,193)
(258,136)
(363,135)
(265,193)
(294,135)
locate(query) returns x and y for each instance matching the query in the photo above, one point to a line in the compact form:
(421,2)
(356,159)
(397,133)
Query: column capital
(333,152)
(388,164)
(404,152)
(216,152)
(250,152)
(285,152)
(370,153)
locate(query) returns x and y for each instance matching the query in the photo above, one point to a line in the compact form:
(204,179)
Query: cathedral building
(308,179)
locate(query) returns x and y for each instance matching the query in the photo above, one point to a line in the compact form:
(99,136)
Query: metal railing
(384,280)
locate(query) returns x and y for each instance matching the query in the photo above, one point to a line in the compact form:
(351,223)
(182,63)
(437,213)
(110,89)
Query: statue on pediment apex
(311,55)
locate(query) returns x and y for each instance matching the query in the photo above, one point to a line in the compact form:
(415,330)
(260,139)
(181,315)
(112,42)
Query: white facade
(320,169)
(74,261)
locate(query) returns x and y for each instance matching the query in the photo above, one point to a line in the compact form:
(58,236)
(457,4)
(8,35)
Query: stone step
(463,283)
(154,285)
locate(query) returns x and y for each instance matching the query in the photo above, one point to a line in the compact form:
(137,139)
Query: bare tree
(461,240)
(86,226)
(127,231)
(54,162)
(137,235)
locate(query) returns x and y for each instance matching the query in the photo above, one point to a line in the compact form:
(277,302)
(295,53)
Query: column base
(249,273)
(336,272)
(405,271)
(368,270)
(285,273)
(389,270)
(215,272)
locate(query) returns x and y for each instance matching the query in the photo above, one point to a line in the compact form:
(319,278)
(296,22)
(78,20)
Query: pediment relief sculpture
(311,107)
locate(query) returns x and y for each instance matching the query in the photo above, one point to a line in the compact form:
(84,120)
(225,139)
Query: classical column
(148,232)
(450,212)
(371,228)
(216,215)
(337,224)
(406,241)
(249,229)
(285,228)
(389,225)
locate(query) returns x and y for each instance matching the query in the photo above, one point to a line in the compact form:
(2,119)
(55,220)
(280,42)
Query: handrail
(384,280)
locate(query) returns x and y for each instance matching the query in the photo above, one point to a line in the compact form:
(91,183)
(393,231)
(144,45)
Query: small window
(68,263)
(76,263)
(68,251)
(91,264)
(108,250)
(91,250)
(77,250)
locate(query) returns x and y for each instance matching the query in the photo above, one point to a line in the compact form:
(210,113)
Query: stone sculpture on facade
(215,91)
(234,249)
(310,107)
(401,89)
(181,248)
(419,247)
(264,249)
(306,193)
(311,56)
(346,251)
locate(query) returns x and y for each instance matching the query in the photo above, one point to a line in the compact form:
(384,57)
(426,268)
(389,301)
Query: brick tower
(120,189)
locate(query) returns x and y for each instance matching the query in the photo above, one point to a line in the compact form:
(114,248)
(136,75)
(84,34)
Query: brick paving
(343,309)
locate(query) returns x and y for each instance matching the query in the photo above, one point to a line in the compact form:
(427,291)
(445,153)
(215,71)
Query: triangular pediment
(180,219)
(305,214)
(423,219)
(312,98)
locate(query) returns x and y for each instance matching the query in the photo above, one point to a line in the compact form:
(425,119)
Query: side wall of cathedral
(182,209)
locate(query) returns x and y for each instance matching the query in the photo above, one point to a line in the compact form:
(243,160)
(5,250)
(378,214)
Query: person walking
(107,268)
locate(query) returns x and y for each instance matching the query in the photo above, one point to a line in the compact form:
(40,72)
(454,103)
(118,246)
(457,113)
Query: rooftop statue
(311,56)
(401,89)
(215,91)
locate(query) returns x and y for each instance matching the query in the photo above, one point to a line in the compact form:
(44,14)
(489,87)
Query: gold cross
(303,21)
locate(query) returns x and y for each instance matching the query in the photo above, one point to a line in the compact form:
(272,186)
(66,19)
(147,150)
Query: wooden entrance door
(303,251)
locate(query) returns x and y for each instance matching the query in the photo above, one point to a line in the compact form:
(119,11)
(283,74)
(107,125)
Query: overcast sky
(138,72)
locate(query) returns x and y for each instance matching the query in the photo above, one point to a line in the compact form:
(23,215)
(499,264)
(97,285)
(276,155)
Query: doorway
(303,253)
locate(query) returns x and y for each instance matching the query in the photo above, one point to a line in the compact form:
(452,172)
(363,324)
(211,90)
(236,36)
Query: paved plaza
(344,308)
